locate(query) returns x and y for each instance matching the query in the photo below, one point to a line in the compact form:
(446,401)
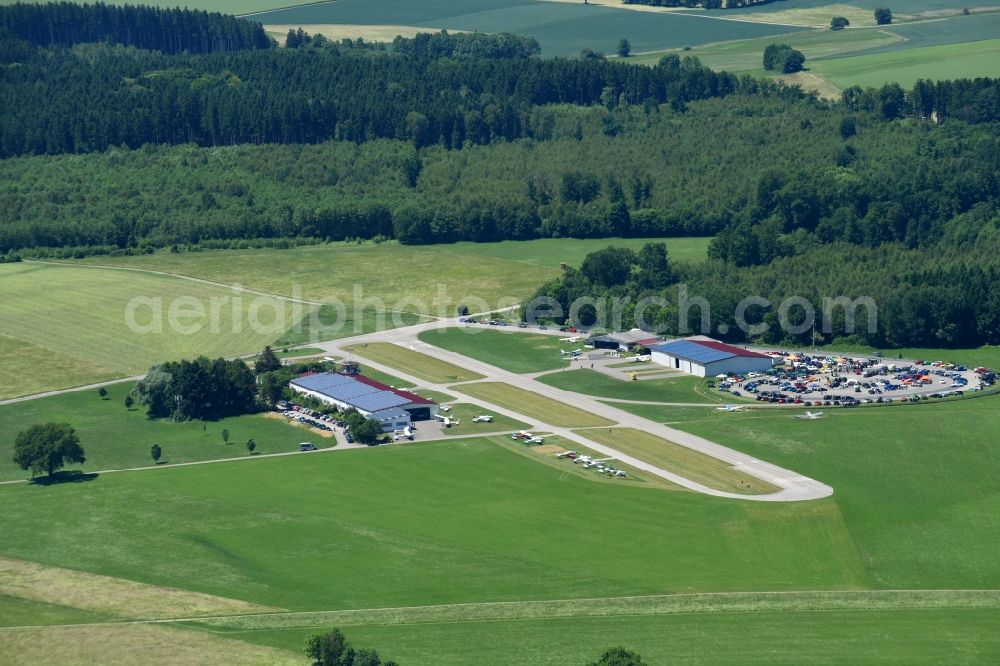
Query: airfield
(733,518)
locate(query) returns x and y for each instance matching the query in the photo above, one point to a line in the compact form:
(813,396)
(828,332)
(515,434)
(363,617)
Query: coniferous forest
(127,129)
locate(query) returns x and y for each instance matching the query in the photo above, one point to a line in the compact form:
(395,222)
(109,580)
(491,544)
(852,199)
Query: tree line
(628,170)
(65,24)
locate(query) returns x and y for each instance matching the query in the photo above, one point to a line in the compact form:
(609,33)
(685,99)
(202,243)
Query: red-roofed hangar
(704,357)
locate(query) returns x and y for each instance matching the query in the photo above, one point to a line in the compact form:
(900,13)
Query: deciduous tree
(47,448)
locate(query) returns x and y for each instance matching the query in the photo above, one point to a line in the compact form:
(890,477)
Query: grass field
(413,363)
(902,637)
(71,315)
(948,61)
(452,521)
(465,521)
(911,482)
(818,16)
(487,271)
(696,466)
(532,405)
(591,382)
(514,351)
(561,28)
(465,412)
(114,438)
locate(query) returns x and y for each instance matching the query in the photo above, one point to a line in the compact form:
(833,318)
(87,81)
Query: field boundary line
(212,283)
(629,606)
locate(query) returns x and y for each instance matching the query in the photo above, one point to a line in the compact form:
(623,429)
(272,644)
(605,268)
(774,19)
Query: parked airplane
(535,440)
(566,454)
(447,420)
(575,352)
(730,408)
(571,340)
(812,416)
(406,432)
(484,418)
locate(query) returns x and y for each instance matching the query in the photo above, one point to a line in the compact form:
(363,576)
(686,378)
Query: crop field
(532,405)
(747,54)
(947,61)
(513,351)
(413,363)
(562,29)
(114,438)
(224,6)
(681,388)
(694,465)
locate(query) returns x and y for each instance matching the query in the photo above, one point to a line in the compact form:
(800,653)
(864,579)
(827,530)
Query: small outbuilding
(623,341)
(704,357)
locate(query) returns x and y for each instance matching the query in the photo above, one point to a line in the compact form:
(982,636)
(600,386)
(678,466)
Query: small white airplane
(730,408)
(575,352)
(586,460)
(445,408)
(535,440)
(811,416)
(447,420)
(406,432)
(484,418)
(571,340)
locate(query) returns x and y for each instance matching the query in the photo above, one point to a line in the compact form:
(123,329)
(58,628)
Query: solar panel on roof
(378,401)
(692,351)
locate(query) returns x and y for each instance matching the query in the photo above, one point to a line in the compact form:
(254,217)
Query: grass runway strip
(681,460)
(531,404)
(414,363)
(728,602)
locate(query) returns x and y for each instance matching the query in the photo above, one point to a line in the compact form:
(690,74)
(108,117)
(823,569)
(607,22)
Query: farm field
(114,438)
(225,6)
(947,61)
(532,405)
(29,368)
(591,382)
(679,459)
(513,351)
(413,363)
(562,29)
(747,54)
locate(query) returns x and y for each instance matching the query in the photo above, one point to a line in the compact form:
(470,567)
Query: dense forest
(64,24)
(894,193)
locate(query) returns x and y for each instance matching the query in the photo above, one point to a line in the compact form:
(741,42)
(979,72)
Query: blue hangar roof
(350,391)
(703,351)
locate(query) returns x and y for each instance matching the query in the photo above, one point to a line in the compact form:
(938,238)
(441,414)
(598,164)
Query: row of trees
(65,24)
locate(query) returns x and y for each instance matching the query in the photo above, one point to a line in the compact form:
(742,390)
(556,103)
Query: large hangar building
(394,408)
(704,357)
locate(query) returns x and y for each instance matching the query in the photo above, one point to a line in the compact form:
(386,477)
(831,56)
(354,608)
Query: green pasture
(224,6)
(514,351)
(682,388)
(114,438)
(531,404)
(28,368)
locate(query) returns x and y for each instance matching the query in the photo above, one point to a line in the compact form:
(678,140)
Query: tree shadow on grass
(64,477)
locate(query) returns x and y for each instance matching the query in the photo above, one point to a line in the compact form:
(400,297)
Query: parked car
(307,446)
